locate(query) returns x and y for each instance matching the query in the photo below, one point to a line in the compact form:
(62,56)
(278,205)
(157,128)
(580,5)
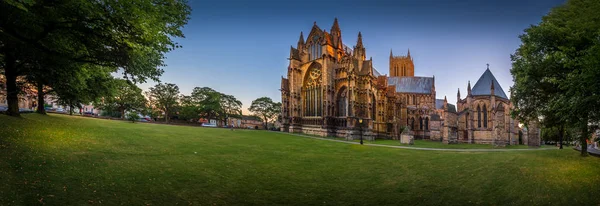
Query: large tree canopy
(213,104)
(265,108)
(556,68)
(165,97)
(126,96)
(83,87)
(127,36)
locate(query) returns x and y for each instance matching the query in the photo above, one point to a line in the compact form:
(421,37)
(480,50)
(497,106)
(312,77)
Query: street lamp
(360,128)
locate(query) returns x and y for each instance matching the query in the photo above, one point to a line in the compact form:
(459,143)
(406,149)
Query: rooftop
(483,85)
(421,85)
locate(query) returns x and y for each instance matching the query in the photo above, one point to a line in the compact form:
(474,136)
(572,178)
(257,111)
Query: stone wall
(348,134)
(483,137)
(435,133)
(533,135)
(451,135)
(499,132)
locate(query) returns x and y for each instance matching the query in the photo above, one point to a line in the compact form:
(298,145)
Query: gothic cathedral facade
(332,89)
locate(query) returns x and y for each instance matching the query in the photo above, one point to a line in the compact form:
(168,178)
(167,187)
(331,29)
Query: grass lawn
(62,160)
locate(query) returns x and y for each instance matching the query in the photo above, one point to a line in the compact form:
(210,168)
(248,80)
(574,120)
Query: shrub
(131,116)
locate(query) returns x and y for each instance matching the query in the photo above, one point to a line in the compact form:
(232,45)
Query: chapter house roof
(421,85)
(483,85)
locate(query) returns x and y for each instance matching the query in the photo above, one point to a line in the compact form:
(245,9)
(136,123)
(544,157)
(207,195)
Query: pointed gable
(315,31)
(484,85)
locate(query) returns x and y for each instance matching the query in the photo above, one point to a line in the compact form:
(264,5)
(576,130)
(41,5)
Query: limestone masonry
(331,88)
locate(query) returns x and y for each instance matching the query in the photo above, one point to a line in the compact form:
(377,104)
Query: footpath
(429,149)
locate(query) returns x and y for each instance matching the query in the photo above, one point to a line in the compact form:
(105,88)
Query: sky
(240,47)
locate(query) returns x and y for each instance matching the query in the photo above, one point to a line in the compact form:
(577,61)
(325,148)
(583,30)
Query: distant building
(246,121)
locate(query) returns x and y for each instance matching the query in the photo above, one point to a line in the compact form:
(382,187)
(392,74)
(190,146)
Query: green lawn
(435,144)
(62,160)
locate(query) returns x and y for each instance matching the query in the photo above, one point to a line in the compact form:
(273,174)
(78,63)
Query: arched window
(426,123)
(478,116)
(420,123)
(373,108)
(342,102)
(315,48)
(312,91)
(485,120)
(412,123)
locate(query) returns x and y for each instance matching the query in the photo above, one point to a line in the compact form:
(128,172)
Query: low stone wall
(435,135)
(407,139)
(348,134)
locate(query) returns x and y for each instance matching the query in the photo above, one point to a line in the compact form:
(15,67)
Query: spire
(359,41)
(335,27)
(458,94)
(301,40)
(391,54)
(408,55)
(469,88)
(445,100)
(488,66)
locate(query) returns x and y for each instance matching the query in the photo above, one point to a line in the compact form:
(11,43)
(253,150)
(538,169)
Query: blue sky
(240,47)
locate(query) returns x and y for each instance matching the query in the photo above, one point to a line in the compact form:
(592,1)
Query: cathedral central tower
(401,66)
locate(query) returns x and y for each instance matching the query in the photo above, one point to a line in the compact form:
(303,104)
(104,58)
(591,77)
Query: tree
(208,102)
(83,87)
(127,36)
(164,97)
(126,97)
(212,104)
(556,69)
(188,110)
(265,108)
(231,107)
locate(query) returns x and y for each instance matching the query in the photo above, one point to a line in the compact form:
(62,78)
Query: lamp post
(360,128)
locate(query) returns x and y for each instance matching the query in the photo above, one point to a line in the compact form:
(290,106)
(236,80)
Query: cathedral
(332,89)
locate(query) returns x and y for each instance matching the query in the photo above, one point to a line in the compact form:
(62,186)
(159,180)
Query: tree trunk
(166,115)
(266,123)
(70,109)
(561,133)
(41,109)
(12,92)
(122,111)
(583,138)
